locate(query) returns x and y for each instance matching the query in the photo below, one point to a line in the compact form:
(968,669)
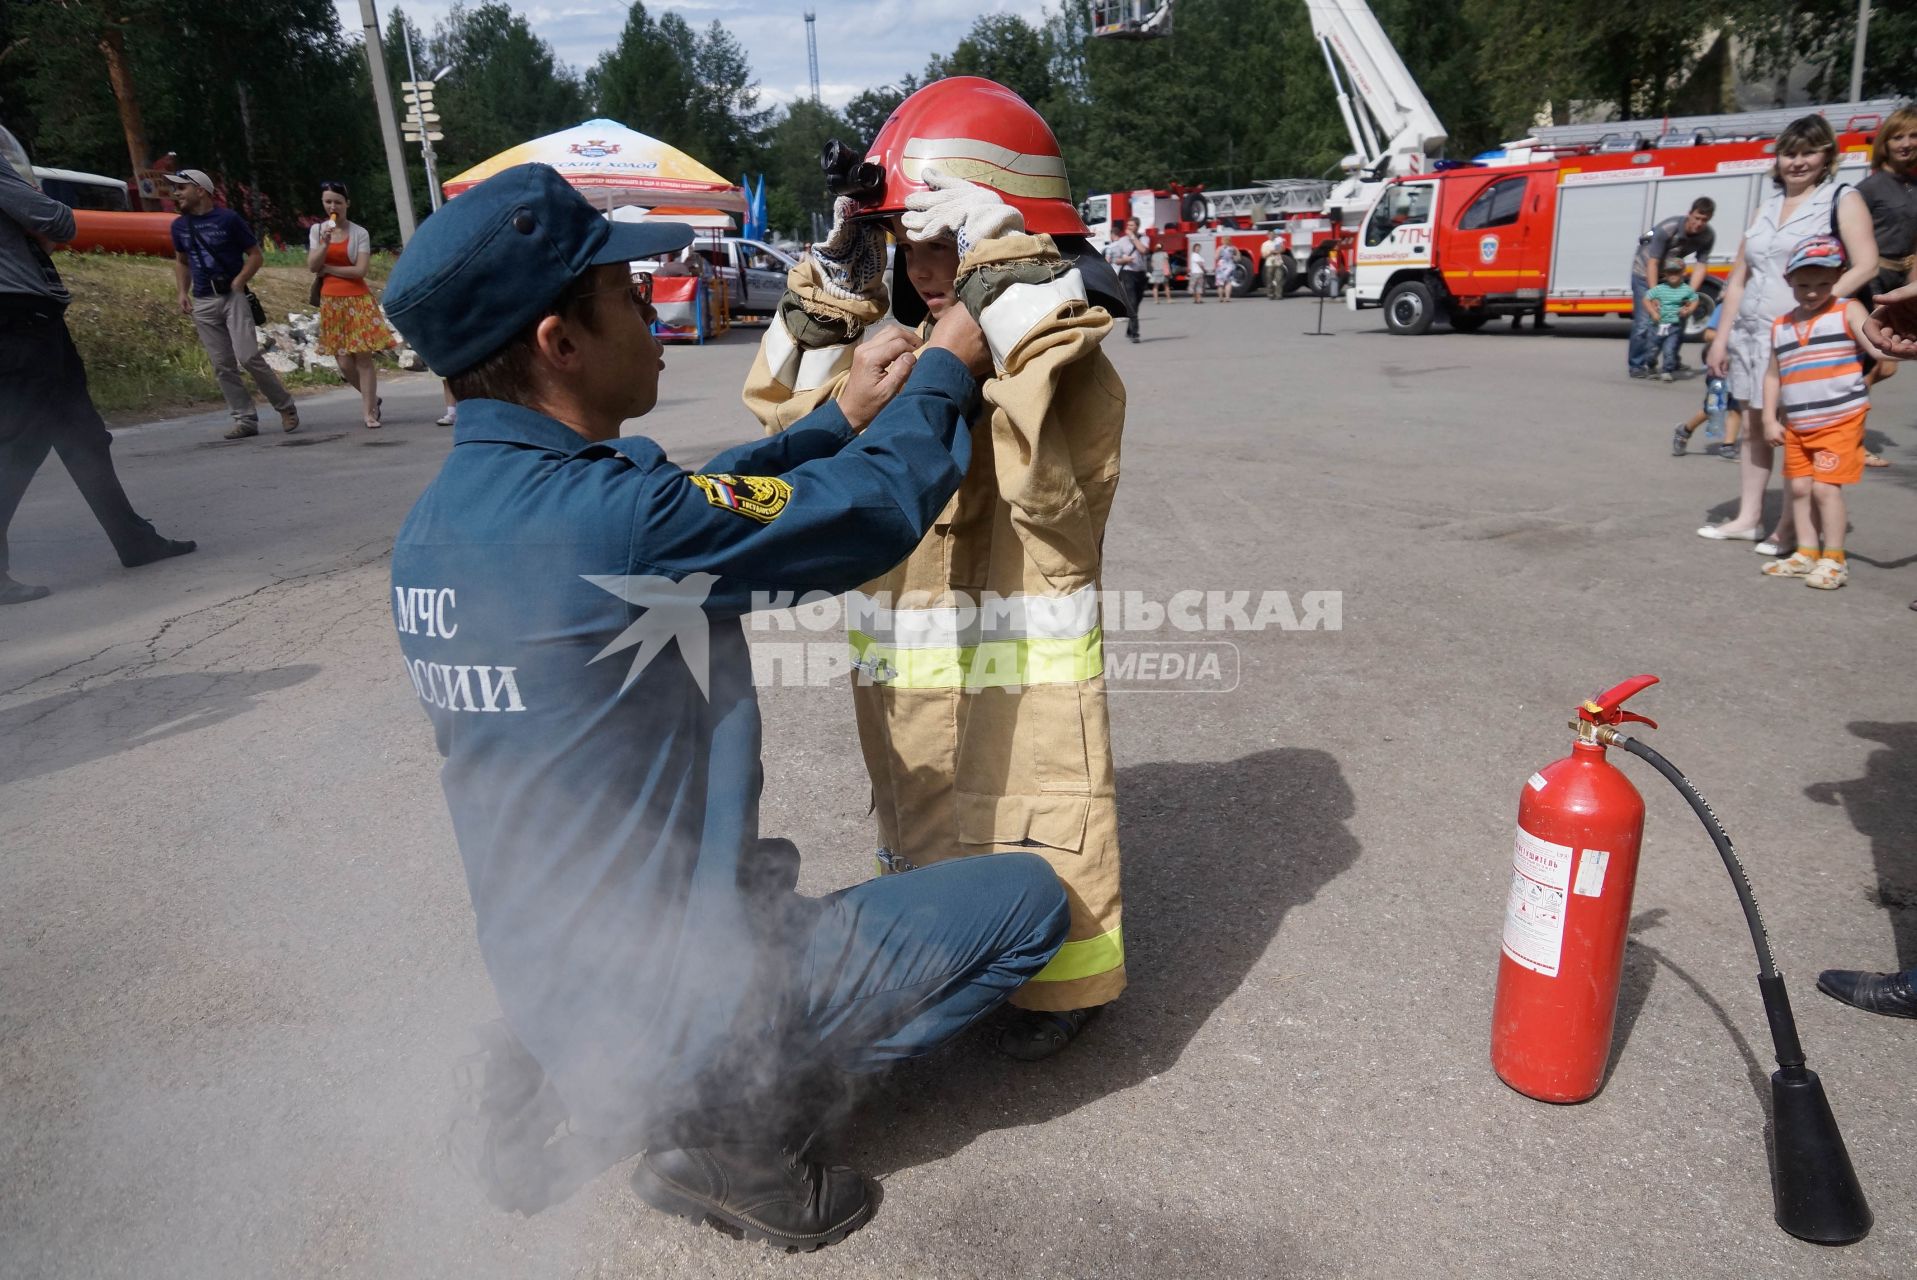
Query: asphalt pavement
(237,961)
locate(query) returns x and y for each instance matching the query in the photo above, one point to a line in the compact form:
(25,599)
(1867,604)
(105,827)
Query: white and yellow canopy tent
(616,167)
(636,178)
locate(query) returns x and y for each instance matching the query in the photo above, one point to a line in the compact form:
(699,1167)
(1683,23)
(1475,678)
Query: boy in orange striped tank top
(1815,402)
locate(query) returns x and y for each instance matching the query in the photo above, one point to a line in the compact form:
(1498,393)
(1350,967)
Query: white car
(754,272)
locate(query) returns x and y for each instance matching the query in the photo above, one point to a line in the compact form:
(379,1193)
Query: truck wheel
(1294,279)
(1695,322)
(1468,322)
(1409,308)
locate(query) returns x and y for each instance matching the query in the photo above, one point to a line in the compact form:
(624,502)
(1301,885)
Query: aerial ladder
(1391,124)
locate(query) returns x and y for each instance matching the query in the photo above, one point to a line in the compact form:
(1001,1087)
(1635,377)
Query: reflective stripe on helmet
(975,160)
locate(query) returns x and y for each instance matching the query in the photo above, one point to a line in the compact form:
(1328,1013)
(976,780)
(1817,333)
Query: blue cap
(492,260)
(1818,251)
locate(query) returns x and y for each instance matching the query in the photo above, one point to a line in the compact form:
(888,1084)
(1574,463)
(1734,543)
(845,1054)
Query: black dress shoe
(12,592)
(1887,993)
(757,1193)
(158,549)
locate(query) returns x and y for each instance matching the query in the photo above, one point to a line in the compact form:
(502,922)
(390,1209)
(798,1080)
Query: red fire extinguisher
(1574,869)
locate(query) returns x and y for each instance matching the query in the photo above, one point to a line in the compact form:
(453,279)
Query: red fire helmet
(978,130)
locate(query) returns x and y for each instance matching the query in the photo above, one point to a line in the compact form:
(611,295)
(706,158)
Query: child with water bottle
(1716,411)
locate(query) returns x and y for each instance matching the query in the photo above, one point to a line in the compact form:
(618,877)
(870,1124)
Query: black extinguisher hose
(1777,1008)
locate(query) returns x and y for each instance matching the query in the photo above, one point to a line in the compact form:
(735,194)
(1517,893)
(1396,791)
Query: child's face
(1811,286)
(1674,276)
(932,267)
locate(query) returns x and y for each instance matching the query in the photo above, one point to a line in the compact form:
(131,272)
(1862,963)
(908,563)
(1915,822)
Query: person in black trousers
(44,405)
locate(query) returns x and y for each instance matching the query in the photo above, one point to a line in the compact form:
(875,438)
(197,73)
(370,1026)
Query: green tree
(259,103)
(693,90)
(1002,47)
(506,86)
(1821,33)
(865,114)
(645,80)
(795,187)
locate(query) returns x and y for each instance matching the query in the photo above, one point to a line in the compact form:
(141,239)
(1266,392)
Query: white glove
(853,256)
(958,208)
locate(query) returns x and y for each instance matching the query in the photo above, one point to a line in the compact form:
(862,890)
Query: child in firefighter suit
(979,691)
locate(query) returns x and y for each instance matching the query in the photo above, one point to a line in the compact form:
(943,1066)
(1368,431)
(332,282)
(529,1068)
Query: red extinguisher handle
(1607,707)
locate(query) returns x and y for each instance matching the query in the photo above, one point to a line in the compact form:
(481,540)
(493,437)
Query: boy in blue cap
(568,605)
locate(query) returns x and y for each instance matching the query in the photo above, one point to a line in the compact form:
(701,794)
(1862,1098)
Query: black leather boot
(1890,994)
(757,1193)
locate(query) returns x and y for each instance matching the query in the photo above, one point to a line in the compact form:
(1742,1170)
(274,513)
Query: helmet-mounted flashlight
(849,173)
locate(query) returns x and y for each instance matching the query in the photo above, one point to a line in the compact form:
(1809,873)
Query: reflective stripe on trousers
(1000,643)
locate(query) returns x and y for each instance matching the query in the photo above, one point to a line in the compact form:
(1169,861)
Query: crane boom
(1409,129)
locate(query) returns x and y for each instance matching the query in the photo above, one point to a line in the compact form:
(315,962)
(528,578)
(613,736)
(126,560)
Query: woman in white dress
(1804,202)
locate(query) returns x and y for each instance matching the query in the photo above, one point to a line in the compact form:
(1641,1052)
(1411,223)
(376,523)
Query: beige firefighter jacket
(980,693)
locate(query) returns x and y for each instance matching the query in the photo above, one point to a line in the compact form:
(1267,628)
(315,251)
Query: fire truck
(1549,224)
(1187,220)
(1392,127)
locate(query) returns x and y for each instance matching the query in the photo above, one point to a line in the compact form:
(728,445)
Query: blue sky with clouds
(861,42)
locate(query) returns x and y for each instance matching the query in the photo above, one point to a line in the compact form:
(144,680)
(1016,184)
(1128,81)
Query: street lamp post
(383,100)
(421,120)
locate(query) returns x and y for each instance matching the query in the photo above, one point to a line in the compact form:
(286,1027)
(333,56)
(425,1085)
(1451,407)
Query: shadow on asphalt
(1641,963)
(67,729)
(1215,855)
(1883,806)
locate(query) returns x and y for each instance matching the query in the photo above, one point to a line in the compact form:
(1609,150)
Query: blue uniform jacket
(569,615)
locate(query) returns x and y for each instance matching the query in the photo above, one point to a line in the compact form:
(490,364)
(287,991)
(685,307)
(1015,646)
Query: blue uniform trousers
(872,975)
(896,966)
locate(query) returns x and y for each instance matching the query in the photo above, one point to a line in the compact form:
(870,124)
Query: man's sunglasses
(640,287)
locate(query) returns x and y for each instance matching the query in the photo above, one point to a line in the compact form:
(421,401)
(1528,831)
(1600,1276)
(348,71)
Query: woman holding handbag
(352,330)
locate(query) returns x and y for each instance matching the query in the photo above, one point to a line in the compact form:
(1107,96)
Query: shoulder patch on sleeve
(759,498)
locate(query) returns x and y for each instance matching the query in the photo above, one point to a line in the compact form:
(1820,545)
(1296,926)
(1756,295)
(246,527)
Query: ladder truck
(1393,130)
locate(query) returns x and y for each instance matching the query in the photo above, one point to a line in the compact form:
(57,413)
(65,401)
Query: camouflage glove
(852,258)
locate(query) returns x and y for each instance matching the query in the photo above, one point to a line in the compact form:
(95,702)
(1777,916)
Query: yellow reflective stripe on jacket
(988,665)
(1086,958)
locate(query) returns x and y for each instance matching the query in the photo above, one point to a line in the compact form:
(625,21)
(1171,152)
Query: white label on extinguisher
(1591,866)
(1534,916)
(1537,782)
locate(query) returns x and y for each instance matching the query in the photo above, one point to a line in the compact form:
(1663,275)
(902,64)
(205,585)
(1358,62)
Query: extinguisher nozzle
(1812,1182)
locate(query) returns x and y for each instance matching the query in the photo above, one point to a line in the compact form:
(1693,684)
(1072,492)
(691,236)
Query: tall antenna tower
(812,49)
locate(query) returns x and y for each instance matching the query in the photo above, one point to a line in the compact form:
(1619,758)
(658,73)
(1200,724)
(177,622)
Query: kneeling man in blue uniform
(568,603)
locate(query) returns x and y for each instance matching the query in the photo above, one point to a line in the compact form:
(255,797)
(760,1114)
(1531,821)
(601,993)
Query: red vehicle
(1555,235)
(1175,219)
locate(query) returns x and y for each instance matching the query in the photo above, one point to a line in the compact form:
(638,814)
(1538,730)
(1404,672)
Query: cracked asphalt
(237,962)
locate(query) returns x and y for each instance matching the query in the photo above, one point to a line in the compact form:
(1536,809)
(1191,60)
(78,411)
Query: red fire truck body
(1554,236)
(1175,219)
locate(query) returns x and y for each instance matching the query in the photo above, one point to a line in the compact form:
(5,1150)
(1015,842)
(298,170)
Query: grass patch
(377,270)
(142,355)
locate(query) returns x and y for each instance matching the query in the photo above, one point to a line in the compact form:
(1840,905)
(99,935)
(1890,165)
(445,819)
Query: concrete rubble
(294,345)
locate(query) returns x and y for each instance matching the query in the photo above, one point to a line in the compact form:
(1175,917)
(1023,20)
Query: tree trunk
(120,75)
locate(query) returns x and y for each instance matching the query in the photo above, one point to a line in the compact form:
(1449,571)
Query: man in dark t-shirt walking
(1674,237)
(215,254)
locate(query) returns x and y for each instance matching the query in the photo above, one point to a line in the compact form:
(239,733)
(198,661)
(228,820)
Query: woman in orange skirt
(352,329)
